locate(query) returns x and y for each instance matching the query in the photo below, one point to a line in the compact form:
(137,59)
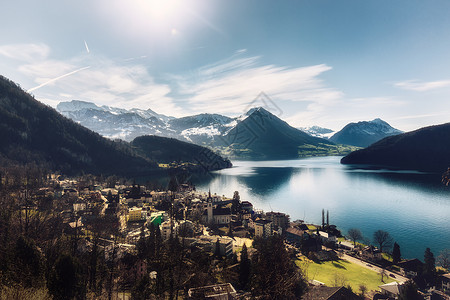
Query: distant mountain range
(33,133)
(365,133)
(209,129)
(257,134)
(424,149)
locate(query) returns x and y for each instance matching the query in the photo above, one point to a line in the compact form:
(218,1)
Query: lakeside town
(150,241)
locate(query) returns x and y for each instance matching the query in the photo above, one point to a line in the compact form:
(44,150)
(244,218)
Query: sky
(319,62)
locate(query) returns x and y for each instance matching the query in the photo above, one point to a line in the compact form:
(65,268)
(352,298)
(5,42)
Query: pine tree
(429,268)
(396,254)
(244,268)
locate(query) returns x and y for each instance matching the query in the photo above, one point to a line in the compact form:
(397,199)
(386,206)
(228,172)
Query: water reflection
(412,206)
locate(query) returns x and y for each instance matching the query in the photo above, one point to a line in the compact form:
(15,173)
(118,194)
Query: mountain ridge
(424,149)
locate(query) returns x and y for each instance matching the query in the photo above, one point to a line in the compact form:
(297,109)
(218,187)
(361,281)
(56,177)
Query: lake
(413,207)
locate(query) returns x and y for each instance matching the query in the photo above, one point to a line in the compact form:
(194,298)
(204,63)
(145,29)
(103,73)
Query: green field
(342,273)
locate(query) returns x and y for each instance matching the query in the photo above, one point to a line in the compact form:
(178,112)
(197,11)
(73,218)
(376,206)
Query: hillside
(32,133)
(364,133)
(424,149)
(168,150)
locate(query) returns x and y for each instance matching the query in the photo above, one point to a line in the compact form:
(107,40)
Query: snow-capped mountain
(365,133)
(317,131)
(119,123)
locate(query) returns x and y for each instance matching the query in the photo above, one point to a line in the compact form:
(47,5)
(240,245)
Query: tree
(236,203)
(443,259)
(28,263)
(275,275)
(363,290)
(429,268)
(383,239)
(355,235)
(142,289)
(65,280)
(409,291)
(244,268)
(396,254)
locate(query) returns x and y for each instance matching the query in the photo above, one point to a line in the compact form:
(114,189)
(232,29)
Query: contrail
(87,48)
(57,78)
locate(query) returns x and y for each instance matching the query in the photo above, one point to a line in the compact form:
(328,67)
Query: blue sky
(323,63)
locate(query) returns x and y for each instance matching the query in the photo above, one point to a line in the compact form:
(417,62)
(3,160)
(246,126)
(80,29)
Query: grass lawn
(340,273)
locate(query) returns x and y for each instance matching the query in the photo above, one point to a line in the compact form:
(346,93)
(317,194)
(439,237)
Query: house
(263,228)
(321,292)
(371,253)
(445,281)
(294,236)
(391,290)
(222,291)
(410,268)
(327,238)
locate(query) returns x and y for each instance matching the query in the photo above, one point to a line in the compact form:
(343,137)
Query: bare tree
(355,235)
(444,259)
(382,238)
(363,289)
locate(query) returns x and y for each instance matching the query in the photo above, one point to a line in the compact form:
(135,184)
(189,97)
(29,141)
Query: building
(294,236)
(391,290)
(410,268)
(186,227)
(371,253)
(216,215)
(321,292)
(263,228)
(209,244)
(327,238)
(134,214)
(445,281)
(279,219)
(224,291)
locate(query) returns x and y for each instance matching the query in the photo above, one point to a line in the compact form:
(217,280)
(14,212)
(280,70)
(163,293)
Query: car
(392,275)
(369,265)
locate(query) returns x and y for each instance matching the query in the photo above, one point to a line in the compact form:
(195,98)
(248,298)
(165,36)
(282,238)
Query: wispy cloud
(25,52)
(422,86)
(230,85)
(103,81)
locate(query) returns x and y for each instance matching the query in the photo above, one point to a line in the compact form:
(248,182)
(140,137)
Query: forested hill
(426,149)
(168,150)
(32,133)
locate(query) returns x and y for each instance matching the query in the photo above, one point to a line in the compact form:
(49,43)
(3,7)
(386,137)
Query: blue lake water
(413,207)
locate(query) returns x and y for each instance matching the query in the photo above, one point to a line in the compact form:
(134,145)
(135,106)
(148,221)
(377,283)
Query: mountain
(365,133)
(32,133)
(116,123)
(167,150)
(216,131)
(317,131)
(260,134)
(424,149)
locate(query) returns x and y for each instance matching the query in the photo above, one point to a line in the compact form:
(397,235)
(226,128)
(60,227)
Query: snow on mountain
(317,131)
